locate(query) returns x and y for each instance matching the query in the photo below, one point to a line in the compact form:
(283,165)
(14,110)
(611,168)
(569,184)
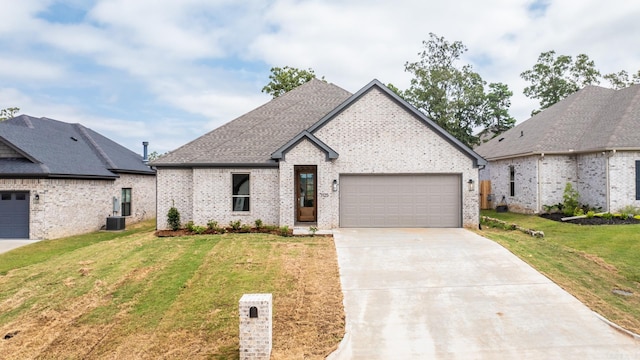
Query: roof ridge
(280,99)
(92,143)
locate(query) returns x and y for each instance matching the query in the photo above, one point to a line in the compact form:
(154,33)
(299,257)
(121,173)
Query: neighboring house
(591,140)
(320,156)
(59,179)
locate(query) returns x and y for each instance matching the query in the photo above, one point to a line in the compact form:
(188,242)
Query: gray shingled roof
(592,119)
(54,148)
(263,135)
(250,139)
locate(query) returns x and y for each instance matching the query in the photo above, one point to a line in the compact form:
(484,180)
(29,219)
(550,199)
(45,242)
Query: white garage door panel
(426,200)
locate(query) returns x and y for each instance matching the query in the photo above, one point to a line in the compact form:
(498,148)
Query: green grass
(587,261)
(103,294)
(49,249)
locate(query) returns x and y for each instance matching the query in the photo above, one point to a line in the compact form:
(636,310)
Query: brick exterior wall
(555,172)
(204,194)
(175,188)
(375,136)
(526,184)
(592,179)
(306,153)
(622,177)
(596,177)
(75,206)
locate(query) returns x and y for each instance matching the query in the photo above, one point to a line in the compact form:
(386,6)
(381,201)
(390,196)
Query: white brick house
(59,179)
(321,156)
(591,139)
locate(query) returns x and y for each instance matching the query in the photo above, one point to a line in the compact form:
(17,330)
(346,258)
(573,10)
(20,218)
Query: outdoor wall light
(470,184)
(334,186)
(37,197)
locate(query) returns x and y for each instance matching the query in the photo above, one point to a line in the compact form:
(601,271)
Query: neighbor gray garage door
(426,200)
(14,215)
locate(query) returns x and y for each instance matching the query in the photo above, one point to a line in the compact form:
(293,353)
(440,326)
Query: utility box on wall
(255,326)
(115,223)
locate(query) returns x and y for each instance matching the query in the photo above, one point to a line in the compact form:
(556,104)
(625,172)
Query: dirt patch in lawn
(308,321)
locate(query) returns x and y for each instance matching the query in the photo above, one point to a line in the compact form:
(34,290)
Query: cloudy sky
(168,71)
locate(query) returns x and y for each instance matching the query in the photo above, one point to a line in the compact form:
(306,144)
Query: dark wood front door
(306,185)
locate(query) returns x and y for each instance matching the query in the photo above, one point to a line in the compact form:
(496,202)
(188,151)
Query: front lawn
(590,262)
(133,295)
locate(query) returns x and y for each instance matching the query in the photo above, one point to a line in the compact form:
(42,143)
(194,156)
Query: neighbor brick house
(321,156)
(59,179)
(591,140)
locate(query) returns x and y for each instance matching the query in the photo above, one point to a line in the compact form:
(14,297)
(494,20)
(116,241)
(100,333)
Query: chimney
(145,155)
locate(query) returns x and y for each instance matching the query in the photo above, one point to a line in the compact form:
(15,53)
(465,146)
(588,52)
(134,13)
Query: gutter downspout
(539,197)
(607,177)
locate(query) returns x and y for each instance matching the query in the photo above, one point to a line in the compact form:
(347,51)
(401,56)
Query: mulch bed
(592,221)
(185,232)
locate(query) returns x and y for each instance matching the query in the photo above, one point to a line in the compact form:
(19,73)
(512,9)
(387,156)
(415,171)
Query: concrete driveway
(10,244)
(451,294)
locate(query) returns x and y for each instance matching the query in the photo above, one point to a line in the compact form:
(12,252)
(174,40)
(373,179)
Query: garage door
(426,200)
(14,215)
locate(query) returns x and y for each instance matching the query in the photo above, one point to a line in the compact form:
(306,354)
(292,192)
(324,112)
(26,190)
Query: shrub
(630,209)
(199,229)
(570,200)
(549,209)
(213,225)
(313,230)
(258,223)
(190,226)
(284,231)
(578,212)
(270,227)
(235,225)
(173,218)
(607,216)
(245,228)
(590,214)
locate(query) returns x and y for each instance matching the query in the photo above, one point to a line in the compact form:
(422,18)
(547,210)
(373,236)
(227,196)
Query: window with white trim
(241,192)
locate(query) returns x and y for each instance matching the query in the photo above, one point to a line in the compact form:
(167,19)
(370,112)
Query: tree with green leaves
(455,96)
(621,79)
(286,79)
(8,113)
(553,78)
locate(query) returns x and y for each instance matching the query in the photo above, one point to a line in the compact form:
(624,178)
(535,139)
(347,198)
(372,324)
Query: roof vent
(500,139)
(74,139)
(521,133)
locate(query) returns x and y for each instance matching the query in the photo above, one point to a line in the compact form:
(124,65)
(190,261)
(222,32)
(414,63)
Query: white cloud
(185,53)
(28,70)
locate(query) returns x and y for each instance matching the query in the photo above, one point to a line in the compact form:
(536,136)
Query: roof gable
(279,154)
(589,120)
(477,159)
(56,149)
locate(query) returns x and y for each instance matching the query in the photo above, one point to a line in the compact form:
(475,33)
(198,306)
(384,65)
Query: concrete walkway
(451,294)
(10,244)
